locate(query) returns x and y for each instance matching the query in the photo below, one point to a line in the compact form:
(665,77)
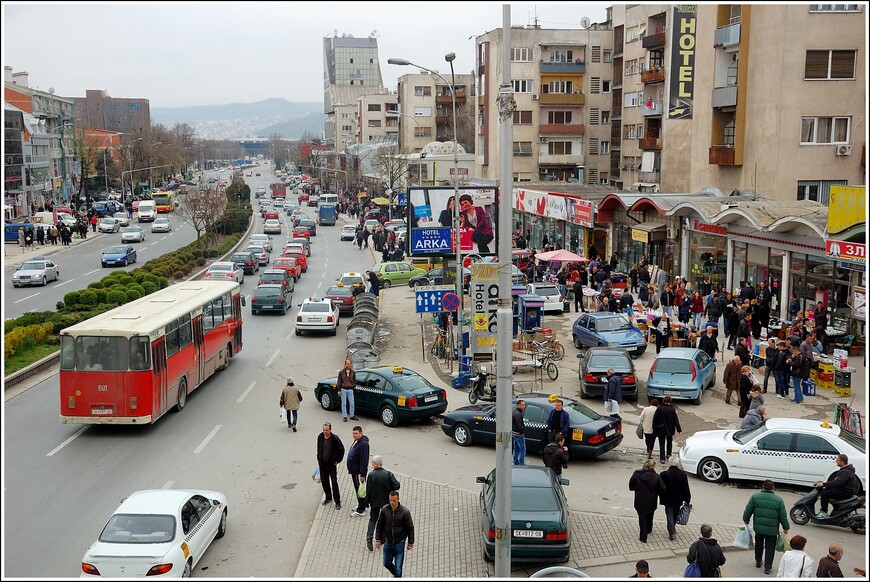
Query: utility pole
(60,122)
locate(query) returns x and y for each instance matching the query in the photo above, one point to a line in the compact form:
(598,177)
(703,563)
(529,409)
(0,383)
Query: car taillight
(329,319)
(558,535)
(159,569)
(444,394)
(652,368)
(590,378)
(630,378)
(490,534)
(250,263)
(231,275)
(694,372)
(281,300)
(412,401)
(298,319)
(90,569)
(596,439)
(253,299)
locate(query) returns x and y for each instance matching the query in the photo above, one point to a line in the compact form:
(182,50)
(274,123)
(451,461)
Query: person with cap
(641,570)
(290,399)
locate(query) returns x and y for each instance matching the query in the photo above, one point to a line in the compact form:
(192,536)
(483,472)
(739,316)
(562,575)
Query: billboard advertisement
(683,62)
(430,221)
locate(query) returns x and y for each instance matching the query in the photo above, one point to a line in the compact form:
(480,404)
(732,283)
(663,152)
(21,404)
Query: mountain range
(236,120)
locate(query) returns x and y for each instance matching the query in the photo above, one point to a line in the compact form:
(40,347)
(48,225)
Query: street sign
(402,199)
(450,302)
(429,301)
(484,307)
(431,241)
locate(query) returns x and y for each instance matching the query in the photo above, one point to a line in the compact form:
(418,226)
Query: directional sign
(429,301)
(450,302)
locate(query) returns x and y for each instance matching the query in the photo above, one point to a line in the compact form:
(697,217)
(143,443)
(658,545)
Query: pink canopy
(560,255)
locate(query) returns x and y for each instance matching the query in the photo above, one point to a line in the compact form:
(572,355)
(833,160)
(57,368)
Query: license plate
(672,393)
(268,306)
(528,533)
(430,399)
(315,319)
(102,411)
(611,432)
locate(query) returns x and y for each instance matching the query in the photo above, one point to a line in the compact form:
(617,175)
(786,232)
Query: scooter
(481,388)
(844,513)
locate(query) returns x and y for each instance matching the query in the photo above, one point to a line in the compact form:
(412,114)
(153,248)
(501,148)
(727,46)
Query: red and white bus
(132,364)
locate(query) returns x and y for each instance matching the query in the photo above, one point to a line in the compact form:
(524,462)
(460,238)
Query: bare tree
(202,208)
(280,148)
(87,155)
(465,128)
(392,168)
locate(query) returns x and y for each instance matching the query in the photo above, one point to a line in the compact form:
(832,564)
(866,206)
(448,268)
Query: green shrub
(139,289)
(116,297)
(95,285)
(149,287)
(133,295)
(72,298)
(101,295)
(24,337)
(200,261)
(178,275)
(88,297)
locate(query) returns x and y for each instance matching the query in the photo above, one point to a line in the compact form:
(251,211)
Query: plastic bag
(611,407)
(361,491)
(782,543)
(683,514)
(743,539)
(282,414)
(315,476)
(639,431)
(693,570)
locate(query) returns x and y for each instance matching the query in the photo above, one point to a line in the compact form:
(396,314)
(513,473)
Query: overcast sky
(208,53)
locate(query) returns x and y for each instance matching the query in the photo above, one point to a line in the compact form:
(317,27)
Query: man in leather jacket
(843,484)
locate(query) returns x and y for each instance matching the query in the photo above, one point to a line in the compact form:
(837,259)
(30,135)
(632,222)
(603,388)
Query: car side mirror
(581,356)
(481,480)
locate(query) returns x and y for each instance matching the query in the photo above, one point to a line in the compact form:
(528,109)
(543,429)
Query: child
(756,399)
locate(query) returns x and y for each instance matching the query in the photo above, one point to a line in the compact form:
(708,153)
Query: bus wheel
(182,395)
(226,361)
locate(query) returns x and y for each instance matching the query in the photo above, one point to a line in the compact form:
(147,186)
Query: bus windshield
(105,353)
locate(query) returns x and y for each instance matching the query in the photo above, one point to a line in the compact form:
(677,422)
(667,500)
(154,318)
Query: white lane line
(67,441)
(168,485)
(28,297)
(319,284)
(272,359)
(201,446)
(91,272)
(157,241)
(65,282)
(247,390)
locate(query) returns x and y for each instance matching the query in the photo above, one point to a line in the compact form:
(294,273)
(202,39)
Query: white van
(328,199)
(147,212)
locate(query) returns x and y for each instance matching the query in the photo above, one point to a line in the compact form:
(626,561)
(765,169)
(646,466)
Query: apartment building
(97,110)
(375,119)
(425,112)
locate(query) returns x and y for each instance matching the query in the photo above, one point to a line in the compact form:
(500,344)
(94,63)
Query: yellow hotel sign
(639,235)
(847,207)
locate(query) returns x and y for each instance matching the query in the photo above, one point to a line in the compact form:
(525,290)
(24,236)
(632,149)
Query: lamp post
(422,155)
(130,159)
(449,57)
(150,171)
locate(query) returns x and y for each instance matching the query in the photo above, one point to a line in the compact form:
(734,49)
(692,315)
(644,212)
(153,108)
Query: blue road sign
(430,241)
(429,301)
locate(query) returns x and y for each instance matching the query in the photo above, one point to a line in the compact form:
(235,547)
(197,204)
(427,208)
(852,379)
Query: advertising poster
(430,221)
(484,310)
(682,73)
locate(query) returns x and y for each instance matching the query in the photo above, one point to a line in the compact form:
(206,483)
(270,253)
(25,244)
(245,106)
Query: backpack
(693,570)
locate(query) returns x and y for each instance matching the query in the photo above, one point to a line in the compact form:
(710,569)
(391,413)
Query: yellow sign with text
(639,235)
(847,208)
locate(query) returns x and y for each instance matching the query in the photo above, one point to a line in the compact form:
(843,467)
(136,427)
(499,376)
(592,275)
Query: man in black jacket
(518,433)
(613,393)
(358,466)
(707,552)
(330,452)
(556,456)
(379,483)
(647,486)
(708,343)
(741,350)
(843,485)
(395,525)
(677,485)
(771,355)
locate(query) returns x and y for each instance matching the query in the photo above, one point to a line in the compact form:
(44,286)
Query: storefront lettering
(711,228)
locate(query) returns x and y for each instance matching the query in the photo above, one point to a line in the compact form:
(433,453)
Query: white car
(225,270)
(317,314)
(38,271)
(161,225)
(290,205)
(263,240)
(258,251)
(371,224)
(348,232)
(157,531)
(123,218)
(272,226)
(550,293)
(132,234)
(108,224)
(784,450)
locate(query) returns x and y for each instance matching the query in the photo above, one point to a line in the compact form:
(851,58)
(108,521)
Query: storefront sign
(639,235)
(484,310)
(531,201)
(846,252)
(706,227)
(556,207)
(847,207)
(683,62)
(580,212)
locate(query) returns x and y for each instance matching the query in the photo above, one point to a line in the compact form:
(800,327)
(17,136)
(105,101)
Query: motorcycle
(844,513)
(481,387)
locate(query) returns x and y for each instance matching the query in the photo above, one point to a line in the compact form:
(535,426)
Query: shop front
(708,255)
(555,219)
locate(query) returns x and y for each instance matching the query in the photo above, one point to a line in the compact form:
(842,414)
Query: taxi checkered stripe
(792,455)
(199,524)
(527,424)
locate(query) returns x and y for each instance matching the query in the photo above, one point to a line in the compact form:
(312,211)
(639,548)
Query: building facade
(425,111)
(96,110)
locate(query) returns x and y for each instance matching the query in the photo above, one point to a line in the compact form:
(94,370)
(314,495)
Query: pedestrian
(647,486)
(613,393)
(330,452)
(518,433)
(94,223)
(291,397)
(685,303)
(358,467)
(346,384)
(394,526)
(663,332)
(646,421)
(769,514)
(741,350)
(708,343)
(829,566)
(379,483)
(654,302)
(732,325)
(661,280)
(794,307)
(800,371)
(756,397)
(641,570)
(374,283)
(707,553)
(843,484)
(577,289)
(40,235)
(745,387)
(795,563)
(666,423)
(676,493)
(558,421)
(556,456)
(754,417)
(52,235)
(668,301)
(697,309)
(771,355)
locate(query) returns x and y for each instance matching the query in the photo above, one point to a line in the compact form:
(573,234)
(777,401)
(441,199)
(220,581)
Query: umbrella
(381,201)
(560,255)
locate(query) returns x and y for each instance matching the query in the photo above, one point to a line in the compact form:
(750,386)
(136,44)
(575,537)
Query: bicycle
(439,346)
(557,349)
(542,355)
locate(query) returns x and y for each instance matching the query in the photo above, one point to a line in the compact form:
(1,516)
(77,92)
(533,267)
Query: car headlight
(612,343)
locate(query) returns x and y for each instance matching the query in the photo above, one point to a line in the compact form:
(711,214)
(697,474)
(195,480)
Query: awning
(647,231)
(648,226)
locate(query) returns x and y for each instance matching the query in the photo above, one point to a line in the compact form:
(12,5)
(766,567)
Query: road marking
(157,241)
(91,272)
(272,359)
(65,282)
(247,390)
(168,485)
(201,446)
(67,441)
(28,297)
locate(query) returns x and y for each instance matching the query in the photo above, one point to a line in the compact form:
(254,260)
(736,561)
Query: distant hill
(259,119)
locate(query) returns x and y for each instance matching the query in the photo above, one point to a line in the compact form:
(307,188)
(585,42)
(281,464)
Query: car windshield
(272,278)
(267,292)
(746,435)
(116,250)
(241,258)
(546,290)
(673,366)
(317,307)
(534,499)
(340,291)
(130,229)
(33,266)
(125,528)
(255,249)
(612,324)
(161,221)
(580,413)
(351,280)
(605,361)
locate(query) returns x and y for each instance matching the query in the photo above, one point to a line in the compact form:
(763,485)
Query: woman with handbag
(677,493)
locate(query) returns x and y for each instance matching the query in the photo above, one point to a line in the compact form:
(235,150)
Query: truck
(327,214)
(279,190)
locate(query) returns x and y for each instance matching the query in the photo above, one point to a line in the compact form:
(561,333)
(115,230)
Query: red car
(289,264)
(303,197)
(270,214)
(302,231)
(341,296)
(299,255)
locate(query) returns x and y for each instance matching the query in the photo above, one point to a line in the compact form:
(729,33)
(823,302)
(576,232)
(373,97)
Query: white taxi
(317,314)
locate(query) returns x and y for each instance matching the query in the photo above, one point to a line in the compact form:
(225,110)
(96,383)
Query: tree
(465,130)
(392,168)
(86,154)
(202,207)
(279,147)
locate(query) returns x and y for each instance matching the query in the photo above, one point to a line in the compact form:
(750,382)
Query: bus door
(237,317)
(198,350)
(159,382)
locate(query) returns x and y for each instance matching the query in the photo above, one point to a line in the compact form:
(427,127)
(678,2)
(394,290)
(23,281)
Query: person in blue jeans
(395,525)
(800,371)
(518,433)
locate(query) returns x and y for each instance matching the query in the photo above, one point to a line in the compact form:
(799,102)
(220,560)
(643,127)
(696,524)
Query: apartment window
(817,190)
(607,57)
(592,176)
(605,117)
(632,34)
(559,148)
(629,131)
(834,8)
(392,123)
(830,65)
(422,132)
(630,100)
(825,130)
(374,122)
(345,115)
(605,148)
(521,55)
(593,146)
(596,54)
(351,61)
(594,116)
(603,178)
(595,85)
(422,112)
(522,117)
(559,117)
(559,56)
(605,86)
(728,133)
(559,87)
(522,148)
(522,177)
(346,128)
(422,91)
(374,106)
(523,85)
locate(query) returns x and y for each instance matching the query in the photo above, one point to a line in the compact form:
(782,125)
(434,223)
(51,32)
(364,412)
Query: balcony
(443,120)
(650,108)
(654,177)
(460,98)
(652,41)
(571,99)
(727,36)
(722,155)
(725,96)
(37,161)
(561,129)
(650,143)
(656,75)
(576,66)
(392,112)
(558,160)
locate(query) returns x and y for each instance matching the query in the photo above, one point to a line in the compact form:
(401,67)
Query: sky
(210,53)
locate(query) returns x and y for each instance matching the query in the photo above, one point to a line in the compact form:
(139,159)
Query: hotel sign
(683,62)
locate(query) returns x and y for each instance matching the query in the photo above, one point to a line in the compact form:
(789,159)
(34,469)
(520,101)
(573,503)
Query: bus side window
(139,354)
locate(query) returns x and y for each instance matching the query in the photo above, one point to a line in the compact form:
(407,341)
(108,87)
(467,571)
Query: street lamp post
(422,155)
(151,171)
(130,159)
(450,58)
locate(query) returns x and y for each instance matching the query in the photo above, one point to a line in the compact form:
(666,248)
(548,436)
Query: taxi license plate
(268,306)
(611,432)
(528,533)
(672,393)
(430,399)
(102,411)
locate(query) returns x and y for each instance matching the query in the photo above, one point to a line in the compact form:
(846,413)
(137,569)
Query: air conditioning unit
(672,233)
(535,97)
(843,150)
(544,140)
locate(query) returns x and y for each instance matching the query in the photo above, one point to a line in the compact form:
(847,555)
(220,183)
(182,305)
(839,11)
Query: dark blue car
(118,256)
(608,330)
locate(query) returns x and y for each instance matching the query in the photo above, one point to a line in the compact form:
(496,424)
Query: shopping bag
(611,407)
(315,476)
(282,415)
(693,570)
(743,539)
(782,543)
(639,431)
(361,491)
(683,514)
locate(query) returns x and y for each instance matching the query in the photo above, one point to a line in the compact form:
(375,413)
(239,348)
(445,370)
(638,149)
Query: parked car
(348,232)
(540,528)
(225,270)
(786,450)
(593,372)
(395,273)
(122,217)
(682,374)
(553,300)
(436,277)
(317,314)
(132,234)
(122,255)
(37,271)
(271,297)
(157,532)
(608,329)
(393,393)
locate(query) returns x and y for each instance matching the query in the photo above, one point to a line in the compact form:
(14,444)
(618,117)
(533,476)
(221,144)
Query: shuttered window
(833,64)
(594,116)
(596,54)
(595,85)
(522,117)
(592,177)
(593,146)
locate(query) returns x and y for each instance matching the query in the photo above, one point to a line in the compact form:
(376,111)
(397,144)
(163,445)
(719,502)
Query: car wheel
(583,393)
(462,435)
(222,528)
(419,284)
(697,401)
(325,400)
(226,355)
(188,568)
(799,515)
(712,470)
(577,343)
(487,557)
(182,395)
(44,281)
(388,416)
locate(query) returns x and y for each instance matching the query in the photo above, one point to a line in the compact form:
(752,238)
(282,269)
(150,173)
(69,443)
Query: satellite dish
(51,90)
(585,22)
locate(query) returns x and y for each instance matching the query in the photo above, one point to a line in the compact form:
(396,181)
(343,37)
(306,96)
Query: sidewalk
(15,255)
